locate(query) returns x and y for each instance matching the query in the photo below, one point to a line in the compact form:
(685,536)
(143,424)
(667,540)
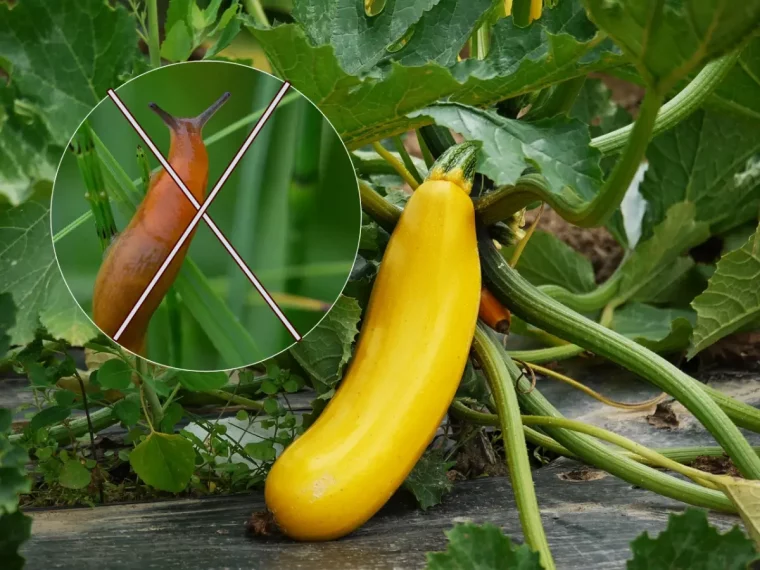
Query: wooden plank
(589,525)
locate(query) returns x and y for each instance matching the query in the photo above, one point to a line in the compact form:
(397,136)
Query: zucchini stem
(518,462)
(679,107)
(408,162)
(535,307)
(502,203)
(396,164)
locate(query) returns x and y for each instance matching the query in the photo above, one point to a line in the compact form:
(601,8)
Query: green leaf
(711,159)
(49,416)
(668,39)
(739,92)
(656,263)
(178,44)
(128,411)
(27,155)
(172,415)
(74,475)
(227,29)
(428,481)
(359,41)
(595,107)
(428,30)
(202,381)
(261,450)
(7,320)
(325,350)
(732,298)
(442,32)
(15,529)
(560,46)
(548,260)
(65,55)
(482,547)
(690,542)
(164,461)
(559,149)
(115,374)
(659,329)
(28,271)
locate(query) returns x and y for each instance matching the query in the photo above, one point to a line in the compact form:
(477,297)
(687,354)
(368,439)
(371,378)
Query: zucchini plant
(507,100)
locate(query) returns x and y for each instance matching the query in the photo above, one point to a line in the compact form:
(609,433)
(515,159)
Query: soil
(663,417)
(721,465)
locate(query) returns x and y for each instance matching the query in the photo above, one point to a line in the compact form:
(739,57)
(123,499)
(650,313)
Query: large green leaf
(326,349)
(659,329)
(360,41)
(667,39)
(7,320)
(558,148)
(548,260)
(26,153)
(563,44)
(656,263)
(28,272)
(690,542)
(739,92)
(482,547)
(732,298)
(711,160)
(65,55)
(442,32)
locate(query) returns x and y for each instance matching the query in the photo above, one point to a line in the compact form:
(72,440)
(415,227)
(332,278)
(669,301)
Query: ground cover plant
(404,83)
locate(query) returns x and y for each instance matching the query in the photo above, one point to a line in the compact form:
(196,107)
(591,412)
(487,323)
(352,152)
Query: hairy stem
(679,107)
(154,48)
(503,390)
(533,306)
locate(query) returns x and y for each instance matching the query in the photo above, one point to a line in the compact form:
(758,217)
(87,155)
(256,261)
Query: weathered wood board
(589,526)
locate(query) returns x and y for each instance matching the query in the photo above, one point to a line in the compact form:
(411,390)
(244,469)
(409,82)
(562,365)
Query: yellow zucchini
(409,359)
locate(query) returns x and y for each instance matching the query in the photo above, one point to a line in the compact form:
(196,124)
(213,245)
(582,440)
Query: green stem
(500,204)
(679,454)
(236,399)
(67,432)
(679,107)
(560,100)
(599,455)
(246,214)
(611,437)
(531,305)
(155,410)
(154,48)
(382,211)
(549,354)
(254,8)
(304,187)
(585,302)
(427,156)
(518,462)
(408,162)
(175,326)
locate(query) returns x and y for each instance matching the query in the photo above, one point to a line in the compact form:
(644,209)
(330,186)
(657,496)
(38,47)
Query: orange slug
(133,259)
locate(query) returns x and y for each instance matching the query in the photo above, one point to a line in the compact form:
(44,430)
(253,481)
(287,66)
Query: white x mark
(201,211)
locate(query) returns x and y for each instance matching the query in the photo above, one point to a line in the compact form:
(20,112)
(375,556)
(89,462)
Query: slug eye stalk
(198,121)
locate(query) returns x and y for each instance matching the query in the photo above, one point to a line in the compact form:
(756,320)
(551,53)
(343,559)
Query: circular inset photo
(205,216)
